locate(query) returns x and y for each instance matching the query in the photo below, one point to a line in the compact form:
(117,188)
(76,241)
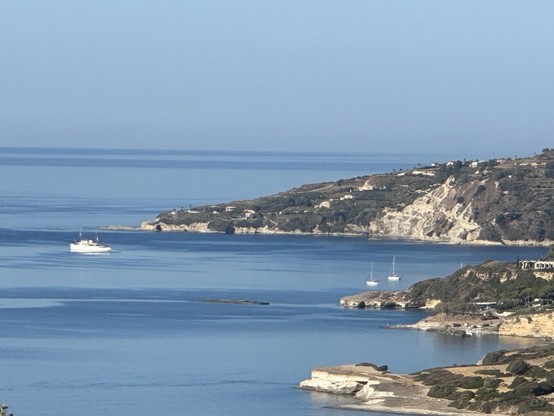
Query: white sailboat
(371,281)
(393,276)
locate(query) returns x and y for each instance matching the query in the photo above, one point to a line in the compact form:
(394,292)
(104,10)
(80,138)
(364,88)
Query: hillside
(504,286)
(496,201)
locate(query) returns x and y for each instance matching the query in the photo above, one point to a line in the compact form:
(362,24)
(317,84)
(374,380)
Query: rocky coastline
(500,201)
(494,298)
(377,391)
(503,383)
(538,325)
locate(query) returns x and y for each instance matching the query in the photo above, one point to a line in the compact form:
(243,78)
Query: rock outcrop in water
(496,201)
(4,410)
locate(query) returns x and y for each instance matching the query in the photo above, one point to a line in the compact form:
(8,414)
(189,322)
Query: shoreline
(491,386)
(537,325)
(205,230)
(378,391)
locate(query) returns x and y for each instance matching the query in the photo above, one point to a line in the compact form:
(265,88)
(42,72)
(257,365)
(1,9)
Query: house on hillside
(537,265)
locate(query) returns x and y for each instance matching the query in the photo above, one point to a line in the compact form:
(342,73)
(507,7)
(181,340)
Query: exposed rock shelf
(377,391)
(237,301)
(502,383)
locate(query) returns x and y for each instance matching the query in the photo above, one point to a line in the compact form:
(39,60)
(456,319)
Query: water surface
(131,332)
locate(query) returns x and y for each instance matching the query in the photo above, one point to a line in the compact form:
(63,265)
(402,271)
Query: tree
(546,292)
(527,294)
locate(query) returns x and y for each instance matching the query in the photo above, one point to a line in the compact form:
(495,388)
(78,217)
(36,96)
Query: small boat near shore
(393,276)
(84,245)
(370,280)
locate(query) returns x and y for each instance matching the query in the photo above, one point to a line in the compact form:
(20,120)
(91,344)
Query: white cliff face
(338,380)
(536,325)
(442,214)
(368,392)
(199,227)
(331,385)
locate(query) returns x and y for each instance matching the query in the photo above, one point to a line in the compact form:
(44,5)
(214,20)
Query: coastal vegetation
(492,285)
(505,201)
(503,382)
(506,382)
(498,284)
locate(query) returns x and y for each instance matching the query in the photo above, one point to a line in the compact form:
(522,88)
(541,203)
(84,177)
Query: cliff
(538,324)
(501,201)
(528,325)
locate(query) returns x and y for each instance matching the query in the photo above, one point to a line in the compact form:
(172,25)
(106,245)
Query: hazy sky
(338,75)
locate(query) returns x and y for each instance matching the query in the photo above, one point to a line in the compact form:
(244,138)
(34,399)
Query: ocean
(135,331)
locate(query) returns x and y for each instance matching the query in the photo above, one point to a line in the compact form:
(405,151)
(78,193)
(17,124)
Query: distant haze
(469,78)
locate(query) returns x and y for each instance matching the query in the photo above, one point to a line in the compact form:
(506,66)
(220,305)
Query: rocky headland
(500,201)
(490,283)
(491,298)
(505,383)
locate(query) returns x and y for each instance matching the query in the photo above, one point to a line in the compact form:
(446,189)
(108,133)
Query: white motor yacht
(84,245)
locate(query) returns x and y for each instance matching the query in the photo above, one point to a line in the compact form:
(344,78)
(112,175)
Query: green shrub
(518,366)
(491,372)
(537,372)
(542,388)
(479,190)
(534,404)
(487,407)
(439,377)
(221,225)
(486,394)
(472,382)
(374,366)
(518,381)
(461,399)
(492,383)
(528,389)
(442,391)
(459,404)
(496,357)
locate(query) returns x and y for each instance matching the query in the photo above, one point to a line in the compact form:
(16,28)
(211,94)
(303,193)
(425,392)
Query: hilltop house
(538,265)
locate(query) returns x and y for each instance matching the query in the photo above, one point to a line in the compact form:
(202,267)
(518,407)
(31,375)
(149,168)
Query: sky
(470,77)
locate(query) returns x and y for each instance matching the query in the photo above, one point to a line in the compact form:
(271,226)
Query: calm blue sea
(131,332)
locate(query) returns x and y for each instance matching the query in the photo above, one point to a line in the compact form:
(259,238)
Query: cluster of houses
(540,265)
